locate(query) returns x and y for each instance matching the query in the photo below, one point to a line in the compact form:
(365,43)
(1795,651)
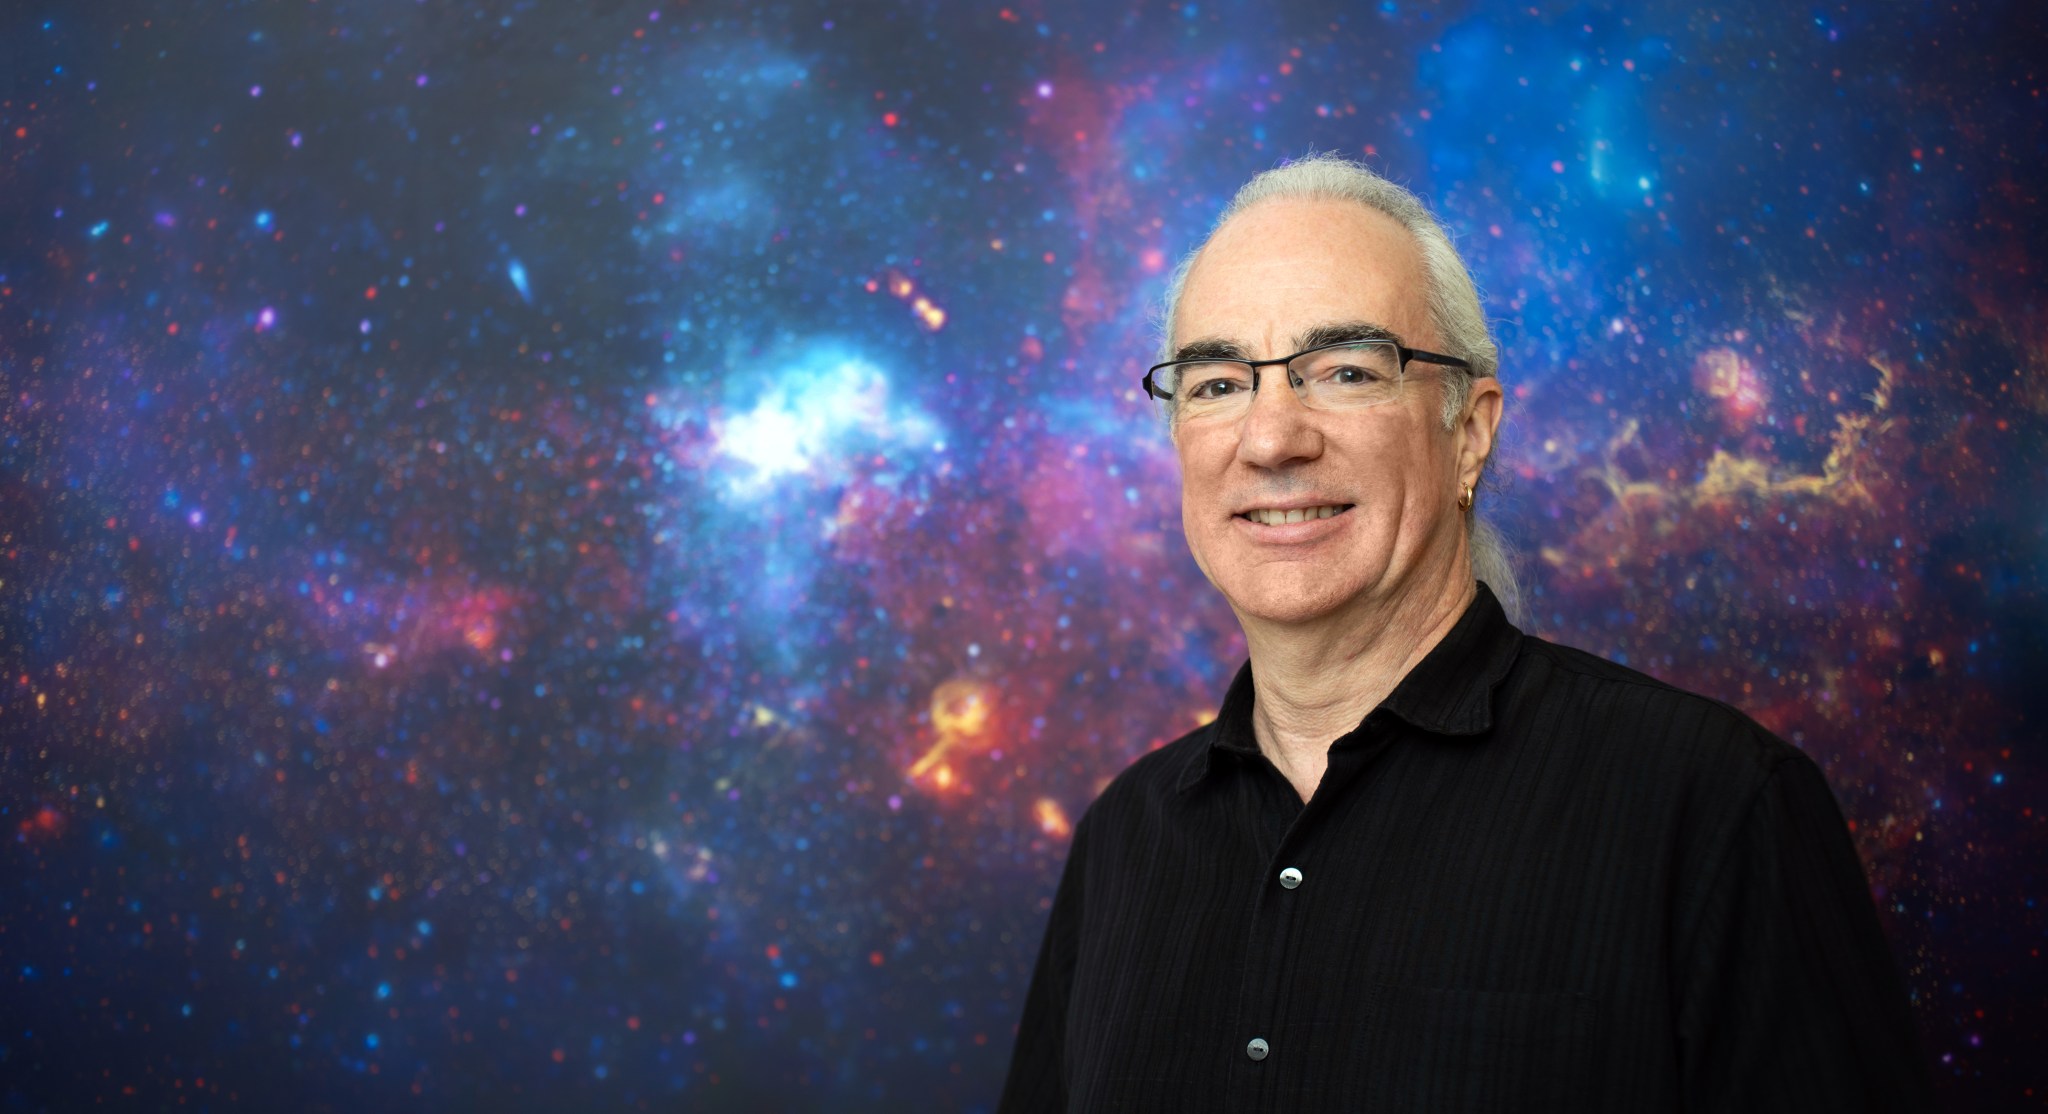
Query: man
(1421,860)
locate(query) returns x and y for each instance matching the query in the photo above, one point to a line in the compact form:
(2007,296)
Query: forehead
(1286,265)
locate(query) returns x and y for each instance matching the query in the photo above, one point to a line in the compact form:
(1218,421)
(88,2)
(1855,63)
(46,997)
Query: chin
(1292,599)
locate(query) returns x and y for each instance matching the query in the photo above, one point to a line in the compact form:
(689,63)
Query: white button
(1290,878)
(1256,1049)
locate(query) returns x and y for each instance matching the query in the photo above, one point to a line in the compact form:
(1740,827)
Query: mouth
(1274,516)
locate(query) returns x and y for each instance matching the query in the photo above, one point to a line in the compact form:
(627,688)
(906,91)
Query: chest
(1474,922)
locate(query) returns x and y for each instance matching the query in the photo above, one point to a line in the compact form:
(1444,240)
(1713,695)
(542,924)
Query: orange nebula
(960,713)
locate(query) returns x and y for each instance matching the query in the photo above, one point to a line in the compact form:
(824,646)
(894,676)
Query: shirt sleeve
(1790,998)
(1038,1080)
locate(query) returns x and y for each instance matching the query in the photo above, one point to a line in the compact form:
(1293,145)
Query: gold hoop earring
(1465,500)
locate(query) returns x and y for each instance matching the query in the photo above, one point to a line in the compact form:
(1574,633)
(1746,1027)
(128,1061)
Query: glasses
(1347,375)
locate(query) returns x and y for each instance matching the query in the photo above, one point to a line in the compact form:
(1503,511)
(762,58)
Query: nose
(1277,430)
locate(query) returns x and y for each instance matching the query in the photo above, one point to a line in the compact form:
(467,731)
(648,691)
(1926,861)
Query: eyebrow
(1210,348)
(1336,332)
(1342,331)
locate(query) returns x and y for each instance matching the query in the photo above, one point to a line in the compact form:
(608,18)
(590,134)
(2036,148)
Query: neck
(1317,680)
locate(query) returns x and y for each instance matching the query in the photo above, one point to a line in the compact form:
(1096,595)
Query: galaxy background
(586,556)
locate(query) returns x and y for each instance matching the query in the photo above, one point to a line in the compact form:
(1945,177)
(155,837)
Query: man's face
(1266,279)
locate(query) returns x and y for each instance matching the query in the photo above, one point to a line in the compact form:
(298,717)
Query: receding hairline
(1349,205)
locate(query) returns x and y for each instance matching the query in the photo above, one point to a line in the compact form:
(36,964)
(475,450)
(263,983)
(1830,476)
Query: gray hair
(1454,310)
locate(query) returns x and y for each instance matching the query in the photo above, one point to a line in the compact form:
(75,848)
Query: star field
(588,556)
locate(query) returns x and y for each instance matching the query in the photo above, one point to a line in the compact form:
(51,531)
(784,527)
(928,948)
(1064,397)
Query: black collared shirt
(1531,879)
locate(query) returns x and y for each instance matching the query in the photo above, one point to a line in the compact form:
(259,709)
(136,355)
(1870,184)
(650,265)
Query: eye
(1215,388)
(1213,381)
(1350,375)
(1353,365)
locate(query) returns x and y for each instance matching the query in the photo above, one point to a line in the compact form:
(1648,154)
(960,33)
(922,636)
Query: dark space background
(584,556)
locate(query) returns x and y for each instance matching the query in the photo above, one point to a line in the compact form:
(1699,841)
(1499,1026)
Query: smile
(1266,516)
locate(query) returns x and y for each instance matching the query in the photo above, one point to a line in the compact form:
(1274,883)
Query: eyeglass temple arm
(1435,358)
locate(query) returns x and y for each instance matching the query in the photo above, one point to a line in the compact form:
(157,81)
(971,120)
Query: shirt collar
(1449,692)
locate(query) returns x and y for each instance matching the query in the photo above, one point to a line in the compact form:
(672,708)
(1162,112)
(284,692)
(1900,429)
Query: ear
(1476,427)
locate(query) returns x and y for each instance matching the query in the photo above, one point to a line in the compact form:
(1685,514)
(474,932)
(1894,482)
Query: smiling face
(1376,490)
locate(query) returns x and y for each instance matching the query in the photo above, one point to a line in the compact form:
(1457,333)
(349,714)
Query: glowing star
(960,713)
(1052,819)
(380,653)
(929,313)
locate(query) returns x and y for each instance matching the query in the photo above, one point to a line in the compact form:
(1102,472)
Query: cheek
(1397,492)
(1202,469)
(1199,474)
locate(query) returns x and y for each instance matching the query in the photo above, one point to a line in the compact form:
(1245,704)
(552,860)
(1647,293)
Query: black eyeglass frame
(1406,354)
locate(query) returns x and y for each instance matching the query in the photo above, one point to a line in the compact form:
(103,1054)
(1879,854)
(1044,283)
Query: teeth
(1268,517)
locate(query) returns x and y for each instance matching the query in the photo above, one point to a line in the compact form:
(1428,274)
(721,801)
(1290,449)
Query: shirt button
(1256,1049)
(1290,878)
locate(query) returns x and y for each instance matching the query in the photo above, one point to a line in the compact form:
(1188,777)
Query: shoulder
(1693,776)
(1663,728)
(1147,786)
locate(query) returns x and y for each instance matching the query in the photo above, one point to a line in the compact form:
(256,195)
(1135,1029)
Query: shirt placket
(1261,1055)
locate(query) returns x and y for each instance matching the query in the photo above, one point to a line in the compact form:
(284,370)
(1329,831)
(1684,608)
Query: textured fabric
(1531,879)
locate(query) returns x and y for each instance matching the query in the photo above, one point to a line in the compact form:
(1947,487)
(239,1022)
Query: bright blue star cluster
(588,556)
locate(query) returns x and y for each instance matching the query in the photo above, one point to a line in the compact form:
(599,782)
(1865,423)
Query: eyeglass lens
(1344,377)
